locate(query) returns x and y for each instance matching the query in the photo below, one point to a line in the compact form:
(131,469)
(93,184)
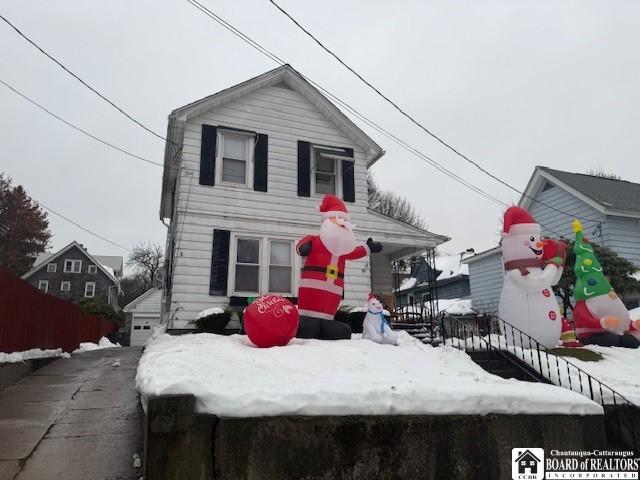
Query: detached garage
(144,313)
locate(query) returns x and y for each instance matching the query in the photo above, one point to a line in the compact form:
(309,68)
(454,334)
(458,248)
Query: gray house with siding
(609,210)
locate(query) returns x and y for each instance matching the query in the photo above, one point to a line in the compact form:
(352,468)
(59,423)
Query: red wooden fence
(32,319)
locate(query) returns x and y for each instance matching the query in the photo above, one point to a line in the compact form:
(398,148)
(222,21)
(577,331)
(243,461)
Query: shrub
(97,306)
(214,323)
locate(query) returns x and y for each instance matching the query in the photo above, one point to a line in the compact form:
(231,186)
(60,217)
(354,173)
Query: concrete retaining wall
(180,444)
(10,373)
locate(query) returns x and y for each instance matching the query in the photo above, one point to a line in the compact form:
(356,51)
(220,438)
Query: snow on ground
(618,368)
(16,357)
(103,343)
(209,311)
(231,377)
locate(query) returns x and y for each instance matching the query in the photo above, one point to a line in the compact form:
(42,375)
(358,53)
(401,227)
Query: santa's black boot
(335,330)
(309,327)
(604,339)
(629,341)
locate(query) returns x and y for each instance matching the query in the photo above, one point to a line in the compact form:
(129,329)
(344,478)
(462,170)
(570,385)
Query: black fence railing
(492,333)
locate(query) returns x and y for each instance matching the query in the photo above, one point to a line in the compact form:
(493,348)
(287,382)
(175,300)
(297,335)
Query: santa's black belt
(330,271)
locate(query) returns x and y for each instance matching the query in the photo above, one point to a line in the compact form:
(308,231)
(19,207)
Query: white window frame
(264,259)
(72,269)
(291,263)
(337,166)
(249,155)
(86,286)
(92,269)
(52,270)
(67,284)
(45,284)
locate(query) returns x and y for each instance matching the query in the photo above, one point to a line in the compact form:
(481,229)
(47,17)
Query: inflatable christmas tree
(599,315)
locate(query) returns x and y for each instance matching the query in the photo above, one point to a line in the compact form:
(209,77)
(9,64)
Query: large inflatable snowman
(527,301)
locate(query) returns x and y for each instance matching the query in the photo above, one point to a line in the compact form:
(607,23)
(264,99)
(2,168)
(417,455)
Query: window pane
(248,251)
(324,164)
(325,183)
(233,170)
(247,278)
(280,253)
(279,279)
(234,147)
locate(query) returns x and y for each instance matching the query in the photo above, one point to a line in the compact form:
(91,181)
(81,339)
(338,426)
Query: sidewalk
(76,418)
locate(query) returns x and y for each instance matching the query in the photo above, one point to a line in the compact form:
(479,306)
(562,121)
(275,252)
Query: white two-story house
(244,172)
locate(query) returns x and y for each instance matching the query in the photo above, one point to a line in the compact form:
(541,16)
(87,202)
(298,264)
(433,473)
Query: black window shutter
(219,263)
(348,178)
(208,155)
(260,163)
(304,169)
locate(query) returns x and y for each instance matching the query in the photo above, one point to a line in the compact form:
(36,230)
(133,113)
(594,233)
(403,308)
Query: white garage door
(141,326)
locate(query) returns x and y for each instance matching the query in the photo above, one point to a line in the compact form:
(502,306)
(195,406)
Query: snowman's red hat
(332,207)
(517,221)
(372,297)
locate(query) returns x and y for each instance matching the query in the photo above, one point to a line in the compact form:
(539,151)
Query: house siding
(77,280)
(486,276)
(286,117)
(556,224)
(623,236)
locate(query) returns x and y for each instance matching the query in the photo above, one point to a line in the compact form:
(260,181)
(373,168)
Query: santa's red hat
(332,206)
(517,221)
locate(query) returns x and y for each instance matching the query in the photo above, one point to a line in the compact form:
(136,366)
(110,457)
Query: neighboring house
(452,280)
(609,209)
(73,273)
(244,172)
(143,314)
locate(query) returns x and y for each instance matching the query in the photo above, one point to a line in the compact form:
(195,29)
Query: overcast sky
(511,84)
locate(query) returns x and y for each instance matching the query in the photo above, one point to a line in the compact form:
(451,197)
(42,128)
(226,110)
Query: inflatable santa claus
(532,266)
(599,315)
(322,279)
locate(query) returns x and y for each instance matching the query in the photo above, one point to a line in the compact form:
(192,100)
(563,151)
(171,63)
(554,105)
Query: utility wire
(75,127)
(413,120)
(81,227)
(347,107)
(57,62)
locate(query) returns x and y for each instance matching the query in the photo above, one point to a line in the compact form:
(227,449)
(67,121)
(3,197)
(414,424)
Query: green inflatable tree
(590,279)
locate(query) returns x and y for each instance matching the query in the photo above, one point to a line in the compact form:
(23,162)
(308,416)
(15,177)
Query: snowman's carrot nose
(540,244)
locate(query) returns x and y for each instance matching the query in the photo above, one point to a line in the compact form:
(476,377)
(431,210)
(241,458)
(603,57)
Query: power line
(353,111)
(81,227)
(57,62)
(75,127)
(413,120)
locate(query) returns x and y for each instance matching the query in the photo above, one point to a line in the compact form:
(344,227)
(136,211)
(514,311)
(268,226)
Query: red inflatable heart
(271,321)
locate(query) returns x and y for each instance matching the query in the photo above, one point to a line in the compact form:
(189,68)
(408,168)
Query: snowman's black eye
(532,239)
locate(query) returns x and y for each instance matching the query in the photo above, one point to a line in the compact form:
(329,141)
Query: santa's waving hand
(322,279)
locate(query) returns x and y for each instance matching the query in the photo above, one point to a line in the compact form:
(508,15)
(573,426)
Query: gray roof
(114,262)
(610,193)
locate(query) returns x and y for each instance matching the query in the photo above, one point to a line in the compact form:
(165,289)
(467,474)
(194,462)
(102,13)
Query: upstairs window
(234,163)
(43,285)
(90,289)
(52,267)
(72,266)
(326,172)
(92,269)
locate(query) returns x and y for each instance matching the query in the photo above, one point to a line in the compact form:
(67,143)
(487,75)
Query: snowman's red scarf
(523,264)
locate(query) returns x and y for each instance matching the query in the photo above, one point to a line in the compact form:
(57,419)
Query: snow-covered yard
(619,368)
(230,377)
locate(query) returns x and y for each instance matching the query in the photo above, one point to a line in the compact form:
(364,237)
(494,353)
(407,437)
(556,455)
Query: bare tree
(147,262)
(600,172)
(392,205)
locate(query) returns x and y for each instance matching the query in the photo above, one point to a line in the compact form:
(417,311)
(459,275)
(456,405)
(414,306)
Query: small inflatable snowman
(527,300)
(375,326)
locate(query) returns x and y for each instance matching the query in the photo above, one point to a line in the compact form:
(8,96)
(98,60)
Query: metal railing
(492,333)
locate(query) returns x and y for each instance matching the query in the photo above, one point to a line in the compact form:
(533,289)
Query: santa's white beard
(338,240)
